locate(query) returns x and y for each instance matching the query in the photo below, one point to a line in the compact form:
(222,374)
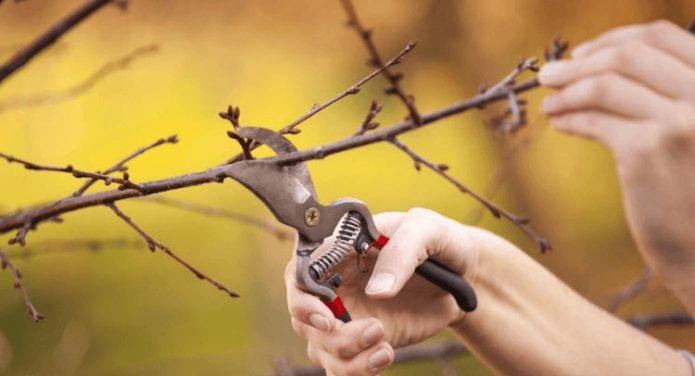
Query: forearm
(530,323)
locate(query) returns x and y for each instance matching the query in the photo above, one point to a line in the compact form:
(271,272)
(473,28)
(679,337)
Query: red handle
(336,306)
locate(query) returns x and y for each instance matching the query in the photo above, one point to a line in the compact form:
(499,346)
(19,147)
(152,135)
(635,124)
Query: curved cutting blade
(280,146)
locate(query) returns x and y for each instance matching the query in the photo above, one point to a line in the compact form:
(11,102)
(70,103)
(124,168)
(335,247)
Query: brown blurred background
(125,311)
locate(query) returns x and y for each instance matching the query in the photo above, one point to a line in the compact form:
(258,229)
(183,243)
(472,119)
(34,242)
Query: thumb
(411,242)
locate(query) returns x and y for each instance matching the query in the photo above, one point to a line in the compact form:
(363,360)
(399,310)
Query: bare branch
(368,124)
(645,321)
(53,97)
(498,178)
(631,290)
(520,222)
(153,244)
(218,212)
(70,246)
(49,37)
(376,61)
(291,128)
(21,235)
(354,89)
(5,263)
(120,165)
(124,182)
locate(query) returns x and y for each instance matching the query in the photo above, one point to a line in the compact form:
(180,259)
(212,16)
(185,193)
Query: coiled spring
(349,229)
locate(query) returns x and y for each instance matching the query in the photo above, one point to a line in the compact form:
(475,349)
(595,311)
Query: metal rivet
(311,216)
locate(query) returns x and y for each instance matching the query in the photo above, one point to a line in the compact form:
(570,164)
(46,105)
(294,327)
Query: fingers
(634,59)
(420,234)
(609,92)
(659,34)
(304,307)
(356,348)
(592,124)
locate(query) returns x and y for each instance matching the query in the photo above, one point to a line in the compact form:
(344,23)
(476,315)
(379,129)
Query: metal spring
(349,229)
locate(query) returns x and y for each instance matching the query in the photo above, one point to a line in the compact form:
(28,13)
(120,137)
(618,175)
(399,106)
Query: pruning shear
(288,191)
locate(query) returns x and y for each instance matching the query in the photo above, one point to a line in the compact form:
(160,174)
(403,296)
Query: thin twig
(645,321)
(52,97)
(368,124)
(630,291)
(520,222)
(375,60)
(497,179)
(25,55)
(291,128)
(238,217)
(153,244)
(70,246)
(120,165)
(5,263)
(21,235)
(124,182)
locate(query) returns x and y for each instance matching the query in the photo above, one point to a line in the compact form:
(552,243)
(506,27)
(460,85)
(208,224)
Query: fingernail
(551,72)
(372,334)
(548,103)
(580,50)
(381,282)
(319,322)
(380,359)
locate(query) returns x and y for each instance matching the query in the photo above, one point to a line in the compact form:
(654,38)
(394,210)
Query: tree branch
(46,39)
(5,263)
(291,128)
(153,244)
(75,90)
(630,291)
(120,165)
(269,226)
(69,246)
(124,182)
(520,222)
(645,321)
(375,60)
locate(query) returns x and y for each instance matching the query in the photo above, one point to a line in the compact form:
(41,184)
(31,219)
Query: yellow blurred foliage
(128,311)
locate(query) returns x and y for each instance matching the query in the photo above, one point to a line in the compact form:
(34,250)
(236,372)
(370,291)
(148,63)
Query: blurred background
(122,310)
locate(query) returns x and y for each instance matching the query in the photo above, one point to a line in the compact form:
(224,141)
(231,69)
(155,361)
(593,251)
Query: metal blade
(280,146)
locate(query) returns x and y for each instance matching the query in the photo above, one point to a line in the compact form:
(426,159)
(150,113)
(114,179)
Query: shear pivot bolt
(311,216)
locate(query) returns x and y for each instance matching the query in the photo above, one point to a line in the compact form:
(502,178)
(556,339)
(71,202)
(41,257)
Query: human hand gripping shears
(289,193)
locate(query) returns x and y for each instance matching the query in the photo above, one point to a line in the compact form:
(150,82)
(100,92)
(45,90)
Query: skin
(631,89)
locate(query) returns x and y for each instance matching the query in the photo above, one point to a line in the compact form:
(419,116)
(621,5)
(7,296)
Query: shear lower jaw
(304,278)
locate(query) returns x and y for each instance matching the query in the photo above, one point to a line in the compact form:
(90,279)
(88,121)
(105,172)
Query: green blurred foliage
(131,312)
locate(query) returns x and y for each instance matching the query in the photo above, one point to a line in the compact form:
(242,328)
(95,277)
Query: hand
(633,89)
(381,319)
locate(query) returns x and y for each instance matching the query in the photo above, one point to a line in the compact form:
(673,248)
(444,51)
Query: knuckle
(660,27)
(297,327)
(598,88)
(419,212)
(353,370)
(624,56)
(343,348)
(314,354)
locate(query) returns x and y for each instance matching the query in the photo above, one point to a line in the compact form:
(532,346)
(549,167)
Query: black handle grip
(443,277)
